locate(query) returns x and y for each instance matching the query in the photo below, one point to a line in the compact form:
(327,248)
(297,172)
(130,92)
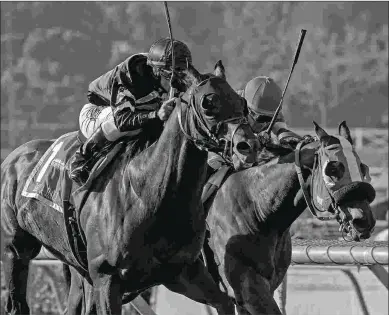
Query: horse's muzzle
(361,221)
(355,191)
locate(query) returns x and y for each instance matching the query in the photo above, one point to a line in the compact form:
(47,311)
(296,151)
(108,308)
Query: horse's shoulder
(40,145)
(234,185)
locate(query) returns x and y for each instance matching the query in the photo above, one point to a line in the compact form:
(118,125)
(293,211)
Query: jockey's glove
(264,138)
(290,140)
(166,109)
(308,139)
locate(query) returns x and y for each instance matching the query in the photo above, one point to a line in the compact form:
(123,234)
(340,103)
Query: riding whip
(172,90)
(296,57)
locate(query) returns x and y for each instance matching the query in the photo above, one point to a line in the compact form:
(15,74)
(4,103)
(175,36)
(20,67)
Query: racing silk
(132,91)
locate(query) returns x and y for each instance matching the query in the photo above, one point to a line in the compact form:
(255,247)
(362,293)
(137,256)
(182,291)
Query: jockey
(263,96)
(129,99)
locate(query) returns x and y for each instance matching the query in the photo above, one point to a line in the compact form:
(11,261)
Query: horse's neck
(279,199)
(172,165)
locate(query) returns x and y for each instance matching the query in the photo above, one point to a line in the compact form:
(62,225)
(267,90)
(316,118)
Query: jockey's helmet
(263,96)
(160,54)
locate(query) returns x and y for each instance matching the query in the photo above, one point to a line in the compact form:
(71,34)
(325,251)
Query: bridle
(342,218)
(211,142)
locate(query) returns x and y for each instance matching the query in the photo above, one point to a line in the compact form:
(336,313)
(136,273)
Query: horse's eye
(335,170)
(211,104)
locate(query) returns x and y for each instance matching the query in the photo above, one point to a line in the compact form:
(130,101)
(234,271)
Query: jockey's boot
(83,160)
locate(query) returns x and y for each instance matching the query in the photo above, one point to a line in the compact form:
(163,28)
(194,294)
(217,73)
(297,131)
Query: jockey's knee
(111,131)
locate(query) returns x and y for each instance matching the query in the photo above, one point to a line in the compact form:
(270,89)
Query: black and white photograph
(194,158)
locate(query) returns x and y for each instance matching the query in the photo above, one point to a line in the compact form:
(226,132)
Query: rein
(218,146)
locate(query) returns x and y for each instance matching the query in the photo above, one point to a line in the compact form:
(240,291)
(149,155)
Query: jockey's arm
(284,135)
(129,117)
(121,88)
(280,132)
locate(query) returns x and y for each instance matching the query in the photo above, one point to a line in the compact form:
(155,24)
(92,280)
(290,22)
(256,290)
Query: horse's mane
(190,80)
(134,147)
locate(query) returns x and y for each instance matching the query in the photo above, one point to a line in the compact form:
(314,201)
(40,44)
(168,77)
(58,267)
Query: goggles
(259,118)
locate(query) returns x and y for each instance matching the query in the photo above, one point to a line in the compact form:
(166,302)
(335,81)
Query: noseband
(211,143)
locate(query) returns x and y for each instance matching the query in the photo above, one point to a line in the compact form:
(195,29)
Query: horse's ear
(219,70)
(192,70)
(344,131)
(320,132)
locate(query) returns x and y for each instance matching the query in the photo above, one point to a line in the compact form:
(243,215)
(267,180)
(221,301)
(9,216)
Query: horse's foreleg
(89,301)
(253,292)
(107,294)
(75,291)
(16,275)
(241,311)
(80,294)
(280,295)
(197,284)
(15,266)
(19,248)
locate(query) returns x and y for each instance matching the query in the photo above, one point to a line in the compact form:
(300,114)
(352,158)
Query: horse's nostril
(365,236)
(243,147)
(360,224)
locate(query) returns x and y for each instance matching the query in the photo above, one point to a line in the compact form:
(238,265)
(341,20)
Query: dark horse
(249,248)
(144,221)
(250,215)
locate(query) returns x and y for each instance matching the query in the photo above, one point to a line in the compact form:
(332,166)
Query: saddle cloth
(50,176)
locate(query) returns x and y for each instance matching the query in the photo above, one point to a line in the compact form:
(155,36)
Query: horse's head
(340,183)
(215,119)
